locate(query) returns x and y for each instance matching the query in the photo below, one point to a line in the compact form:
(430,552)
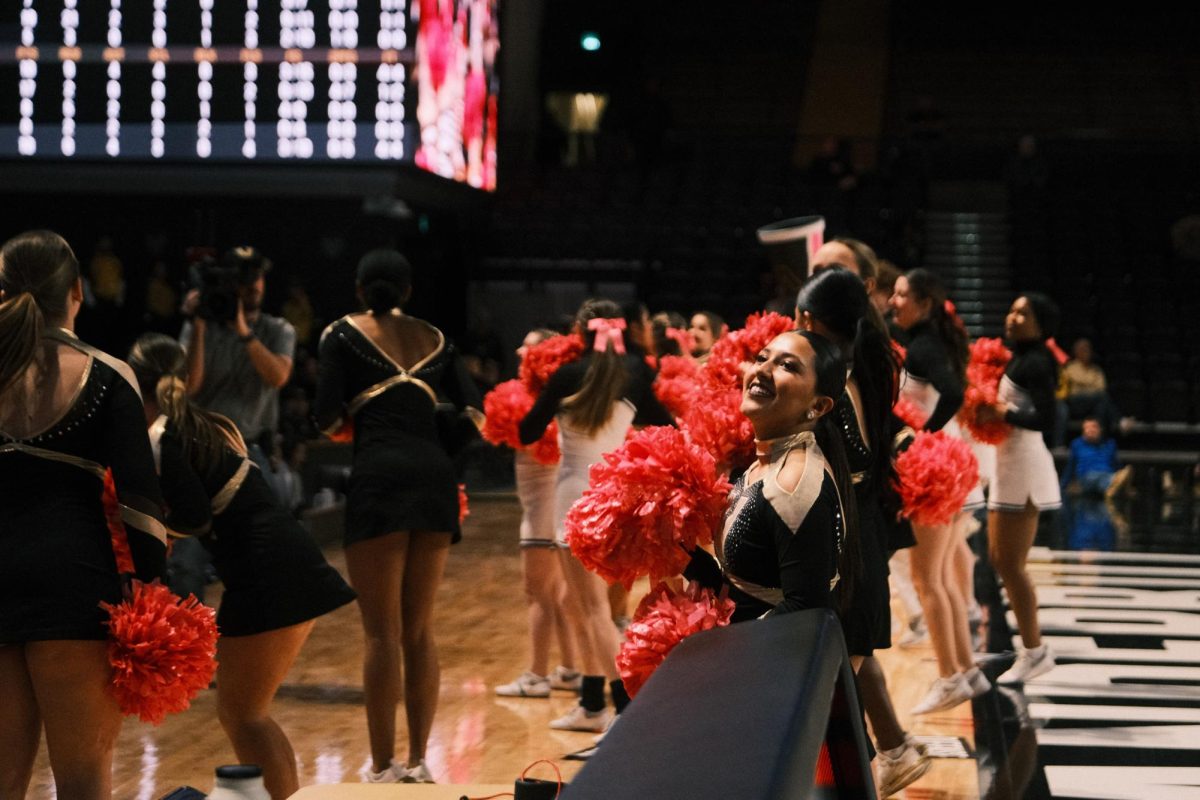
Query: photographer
(237,357)
(237,360)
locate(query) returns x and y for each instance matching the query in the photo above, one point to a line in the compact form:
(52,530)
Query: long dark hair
(606,378)
(838,300)
(159,364)
(830,369)
(1045,311)
(925,285)
(37,271)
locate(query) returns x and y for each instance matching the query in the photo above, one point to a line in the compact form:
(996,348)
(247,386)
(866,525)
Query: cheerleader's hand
(986,414)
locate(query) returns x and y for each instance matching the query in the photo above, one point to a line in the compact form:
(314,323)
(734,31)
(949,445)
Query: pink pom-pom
(546,357)
(985,369)
(663,619)
(464,510)
(161,649)
(910,414)
(934,476)
(678,384)
(717,424)
(650,502)
(737,347)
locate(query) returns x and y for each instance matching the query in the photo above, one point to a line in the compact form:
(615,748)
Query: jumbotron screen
(238,81)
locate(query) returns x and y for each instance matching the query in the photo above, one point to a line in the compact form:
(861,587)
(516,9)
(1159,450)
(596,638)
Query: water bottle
(239,782)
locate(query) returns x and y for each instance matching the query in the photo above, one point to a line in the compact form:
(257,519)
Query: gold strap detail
(54,455)
(144,522)
(371,392)
(224,497)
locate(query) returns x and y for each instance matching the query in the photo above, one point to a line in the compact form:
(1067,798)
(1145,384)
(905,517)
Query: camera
(219,281)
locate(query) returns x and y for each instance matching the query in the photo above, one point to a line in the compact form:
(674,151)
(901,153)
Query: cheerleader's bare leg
(249,672)
(80,717)
(20,724)
(1010,535)
(929,558)
(545,590)
(590,594)
(396,580)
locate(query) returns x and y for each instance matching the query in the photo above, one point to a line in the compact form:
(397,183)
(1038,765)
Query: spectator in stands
(1092,463)
(298,310)
(482,350)
(162,300)
(1083,392)
(706,329)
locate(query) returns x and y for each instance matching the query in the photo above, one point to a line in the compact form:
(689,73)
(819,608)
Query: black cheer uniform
(56,555)
(867,622)
(402,479)
(778,551)
(274,573)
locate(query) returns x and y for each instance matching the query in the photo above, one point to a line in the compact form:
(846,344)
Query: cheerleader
(68,413)
(1025,482)
(935,372)
(276,580)
(596,399)
(835,304)
(545,587)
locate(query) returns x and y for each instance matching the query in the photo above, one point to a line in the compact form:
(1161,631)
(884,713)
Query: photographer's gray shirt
(232,386)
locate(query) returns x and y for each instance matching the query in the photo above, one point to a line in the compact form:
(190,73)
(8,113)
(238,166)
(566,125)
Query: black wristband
(247,338)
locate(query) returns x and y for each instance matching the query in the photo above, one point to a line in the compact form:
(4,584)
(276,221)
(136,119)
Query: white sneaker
(530,684)
(580,719)
(393,774)
(567,680)
(916,635)
(979,683)
(1029,665)
(418,774)
(896,773)
(946,693)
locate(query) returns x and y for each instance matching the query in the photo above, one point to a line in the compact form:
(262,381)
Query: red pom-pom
(650,501)
(934,476)
(664,619)
(717,424)
(344,432)
(546,357)
(545,450)
(737,347)
(504,407)
(985,368)
(116,527)
(464,510)
(910,414)
(161,649)
(678,384)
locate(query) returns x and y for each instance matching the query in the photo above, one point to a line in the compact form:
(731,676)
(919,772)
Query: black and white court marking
(1120,716)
